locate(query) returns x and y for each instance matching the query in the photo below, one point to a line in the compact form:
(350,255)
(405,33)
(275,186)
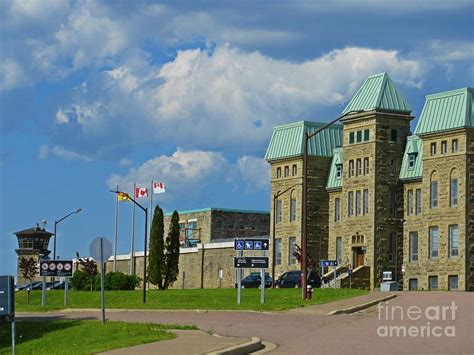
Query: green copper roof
(414,147)
(378,92)
(338,158)
(447,110)
(287,140)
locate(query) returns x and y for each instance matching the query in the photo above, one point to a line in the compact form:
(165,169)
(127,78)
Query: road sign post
(101,249)
(257,262)
(7,304)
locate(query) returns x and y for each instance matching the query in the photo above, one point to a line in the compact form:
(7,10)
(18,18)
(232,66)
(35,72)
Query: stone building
(207,252)
(209,225)
(363,179)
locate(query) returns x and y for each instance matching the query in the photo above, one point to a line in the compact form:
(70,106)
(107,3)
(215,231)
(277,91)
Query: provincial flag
(141,192)
(123,197)
(158,187)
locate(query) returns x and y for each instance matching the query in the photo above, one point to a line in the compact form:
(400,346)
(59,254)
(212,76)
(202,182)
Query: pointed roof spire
(378,92)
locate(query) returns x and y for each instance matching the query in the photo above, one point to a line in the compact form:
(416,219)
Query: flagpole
(132,242)
(116,230)
(151,205)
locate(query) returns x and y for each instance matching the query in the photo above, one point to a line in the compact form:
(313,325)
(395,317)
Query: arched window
(453,188)
(434,190)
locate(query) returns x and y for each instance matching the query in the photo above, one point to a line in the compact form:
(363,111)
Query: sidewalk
(187,342)
(327,308)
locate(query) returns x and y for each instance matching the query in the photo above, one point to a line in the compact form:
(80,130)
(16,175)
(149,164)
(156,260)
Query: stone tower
(32,242)
(285,155)
(366,196)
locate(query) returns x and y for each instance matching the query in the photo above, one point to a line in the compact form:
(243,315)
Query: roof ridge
(384,76)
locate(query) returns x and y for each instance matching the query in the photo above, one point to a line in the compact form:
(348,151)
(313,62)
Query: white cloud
(255,172)
(11,74)
(451,51)
(188,175)
(61,117)
(45,152)
(125,162)
(183,171)
(228,98)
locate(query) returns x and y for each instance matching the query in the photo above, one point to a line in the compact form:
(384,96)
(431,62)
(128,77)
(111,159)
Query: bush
(80,281)
(117,281)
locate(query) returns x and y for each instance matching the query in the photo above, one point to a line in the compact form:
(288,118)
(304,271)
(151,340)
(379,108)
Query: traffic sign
(252,244)
(325,263)
(258,262)
(94,248)
(61,268)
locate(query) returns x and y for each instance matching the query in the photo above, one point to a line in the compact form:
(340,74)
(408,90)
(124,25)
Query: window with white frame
(365,202)
(418,201)
(453,240)
(278,251)
(434,242)
(413,236)
(337,209)
(410,202)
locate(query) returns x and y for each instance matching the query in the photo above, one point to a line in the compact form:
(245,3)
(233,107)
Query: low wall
(198,267)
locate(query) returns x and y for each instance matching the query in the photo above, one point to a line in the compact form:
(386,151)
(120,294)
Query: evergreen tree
(172,251)
(156,267)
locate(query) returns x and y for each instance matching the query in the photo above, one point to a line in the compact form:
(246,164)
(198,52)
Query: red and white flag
(158,187)
(141,192)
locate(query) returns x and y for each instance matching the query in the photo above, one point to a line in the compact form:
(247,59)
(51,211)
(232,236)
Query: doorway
(358,257)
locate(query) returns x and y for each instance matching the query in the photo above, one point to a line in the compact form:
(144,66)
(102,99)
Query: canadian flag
(141,192)
(158,187)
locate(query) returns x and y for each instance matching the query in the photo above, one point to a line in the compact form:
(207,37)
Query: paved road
(366,332)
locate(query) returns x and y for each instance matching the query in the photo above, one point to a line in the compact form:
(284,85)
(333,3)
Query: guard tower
(32,242)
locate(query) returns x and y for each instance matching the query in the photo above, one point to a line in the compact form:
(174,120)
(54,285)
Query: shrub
(117,281)
(80,281)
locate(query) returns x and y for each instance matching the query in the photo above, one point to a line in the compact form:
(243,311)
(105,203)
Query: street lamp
(56,226)
(304,220)
(275,196)
(144,209)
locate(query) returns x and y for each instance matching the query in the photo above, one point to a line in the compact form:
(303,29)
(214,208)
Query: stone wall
(440,167)
(286,228)
(198,267)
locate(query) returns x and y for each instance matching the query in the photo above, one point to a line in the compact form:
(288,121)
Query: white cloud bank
(190,174)
(227,97)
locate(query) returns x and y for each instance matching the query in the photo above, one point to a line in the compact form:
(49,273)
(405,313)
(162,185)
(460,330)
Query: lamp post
(304,220)
(144,209)
(275,196)
(56,227)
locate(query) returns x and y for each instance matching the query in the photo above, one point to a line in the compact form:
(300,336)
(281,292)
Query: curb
(361,306)
(249,347)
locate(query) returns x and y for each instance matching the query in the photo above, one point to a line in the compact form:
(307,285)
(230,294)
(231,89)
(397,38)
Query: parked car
(255,281)
(293,278)
(58,285)
(27,286)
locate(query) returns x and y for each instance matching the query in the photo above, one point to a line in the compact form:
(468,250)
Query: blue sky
(99,93)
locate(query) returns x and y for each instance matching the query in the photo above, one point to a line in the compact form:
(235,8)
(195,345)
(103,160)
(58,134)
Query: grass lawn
(80,336)
(218,299)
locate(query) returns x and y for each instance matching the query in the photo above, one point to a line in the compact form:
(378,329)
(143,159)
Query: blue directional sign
(325,263)
(252,244)
(239,244)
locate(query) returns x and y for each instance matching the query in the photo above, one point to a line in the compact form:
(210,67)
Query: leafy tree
(90,268)
(156,259)
(28,269)
(172,251)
